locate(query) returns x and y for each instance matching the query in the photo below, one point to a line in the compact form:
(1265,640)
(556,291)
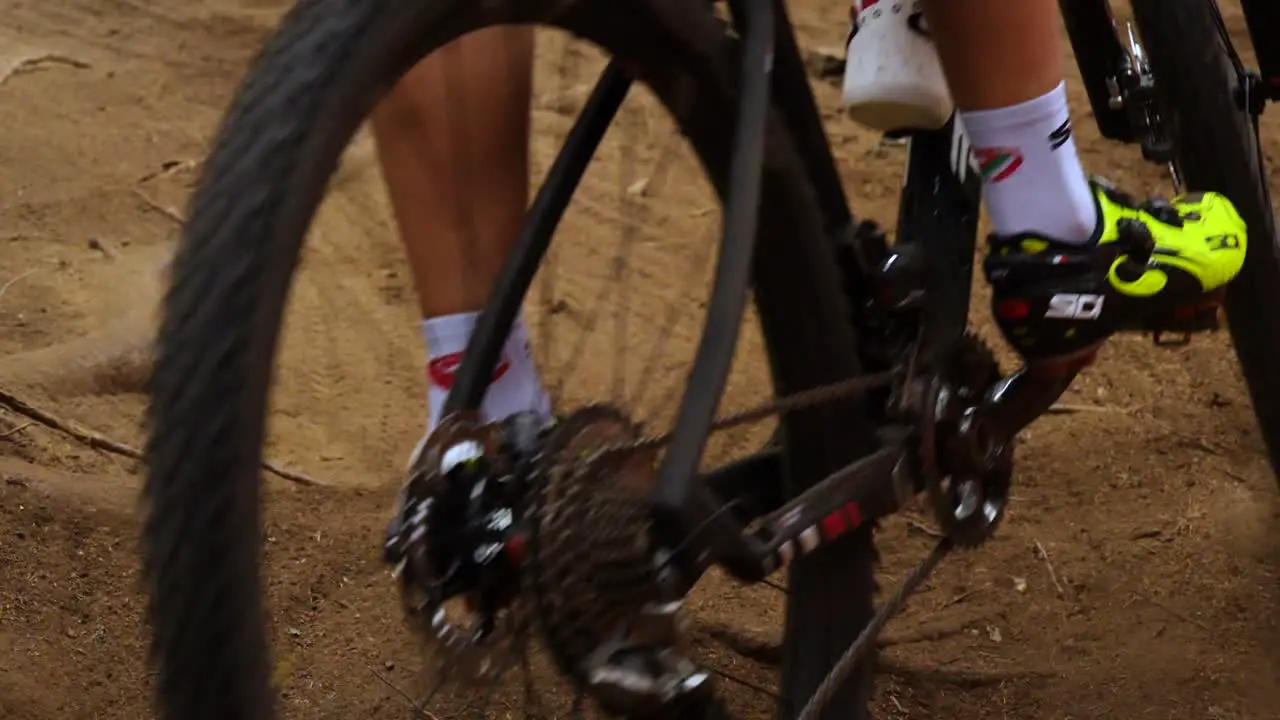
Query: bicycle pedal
(1175,328)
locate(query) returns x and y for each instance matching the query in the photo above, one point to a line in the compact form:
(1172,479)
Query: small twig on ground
(1068,409)
(16,430)
(27,64)
(769,651)
(1236,476)
(5,288)
(165,210)
(917,525)
(924,636)
(1200,444)
(962,597)
(1182,438)
(968,679)
(1190,440)
(103,247)
(761,650)
(418,710)
(1053,575)
(100,442)
(1171,611)
(91,439)
(9,236)
(168,168)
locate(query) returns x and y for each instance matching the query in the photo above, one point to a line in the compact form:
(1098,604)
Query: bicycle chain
(804,399)
(866,639)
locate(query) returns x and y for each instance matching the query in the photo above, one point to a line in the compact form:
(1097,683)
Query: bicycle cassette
(596,580)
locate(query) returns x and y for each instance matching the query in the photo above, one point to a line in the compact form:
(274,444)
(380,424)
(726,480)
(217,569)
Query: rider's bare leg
(453,141)
(1003,61)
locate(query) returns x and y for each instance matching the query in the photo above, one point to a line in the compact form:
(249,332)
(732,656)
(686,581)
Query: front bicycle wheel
(315,81)
(1203,92)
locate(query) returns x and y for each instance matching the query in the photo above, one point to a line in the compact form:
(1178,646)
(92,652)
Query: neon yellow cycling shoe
(1155,266)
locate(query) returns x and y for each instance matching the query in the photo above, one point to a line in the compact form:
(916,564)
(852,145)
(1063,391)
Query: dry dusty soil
(1137,575)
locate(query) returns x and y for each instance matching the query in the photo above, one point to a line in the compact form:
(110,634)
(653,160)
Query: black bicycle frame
(939,217)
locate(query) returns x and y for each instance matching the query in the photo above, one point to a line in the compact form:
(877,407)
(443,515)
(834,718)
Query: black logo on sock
(1059,137)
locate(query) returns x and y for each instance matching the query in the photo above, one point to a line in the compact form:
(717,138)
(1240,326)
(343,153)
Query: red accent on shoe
(1013,309)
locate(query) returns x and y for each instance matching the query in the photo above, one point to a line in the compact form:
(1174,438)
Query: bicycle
(881,395)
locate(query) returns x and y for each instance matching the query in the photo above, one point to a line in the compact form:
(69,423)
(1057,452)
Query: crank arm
(1019,399)
(846,500)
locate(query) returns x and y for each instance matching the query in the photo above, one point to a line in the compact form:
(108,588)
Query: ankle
(1031,171)
(516,385)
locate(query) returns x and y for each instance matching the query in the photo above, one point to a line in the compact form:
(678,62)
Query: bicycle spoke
(616,283)
(628,188)
(669,315)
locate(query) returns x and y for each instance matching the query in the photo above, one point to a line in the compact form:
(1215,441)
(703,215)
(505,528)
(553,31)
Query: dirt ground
(1137,576)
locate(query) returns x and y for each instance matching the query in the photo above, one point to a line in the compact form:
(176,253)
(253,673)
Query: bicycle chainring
(966,471)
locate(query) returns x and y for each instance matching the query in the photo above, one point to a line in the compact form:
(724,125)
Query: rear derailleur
(457,540)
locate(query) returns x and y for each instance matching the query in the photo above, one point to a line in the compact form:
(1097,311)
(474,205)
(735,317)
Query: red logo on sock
(442,370)
(997,164)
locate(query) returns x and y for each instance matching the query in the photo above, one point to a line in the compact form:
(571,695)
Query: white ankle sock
(518,386)
(1031,171)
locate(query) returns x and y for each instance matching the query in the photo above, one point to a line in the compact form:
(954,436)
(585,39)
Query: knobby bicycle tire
(315,80)
(1217,150)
